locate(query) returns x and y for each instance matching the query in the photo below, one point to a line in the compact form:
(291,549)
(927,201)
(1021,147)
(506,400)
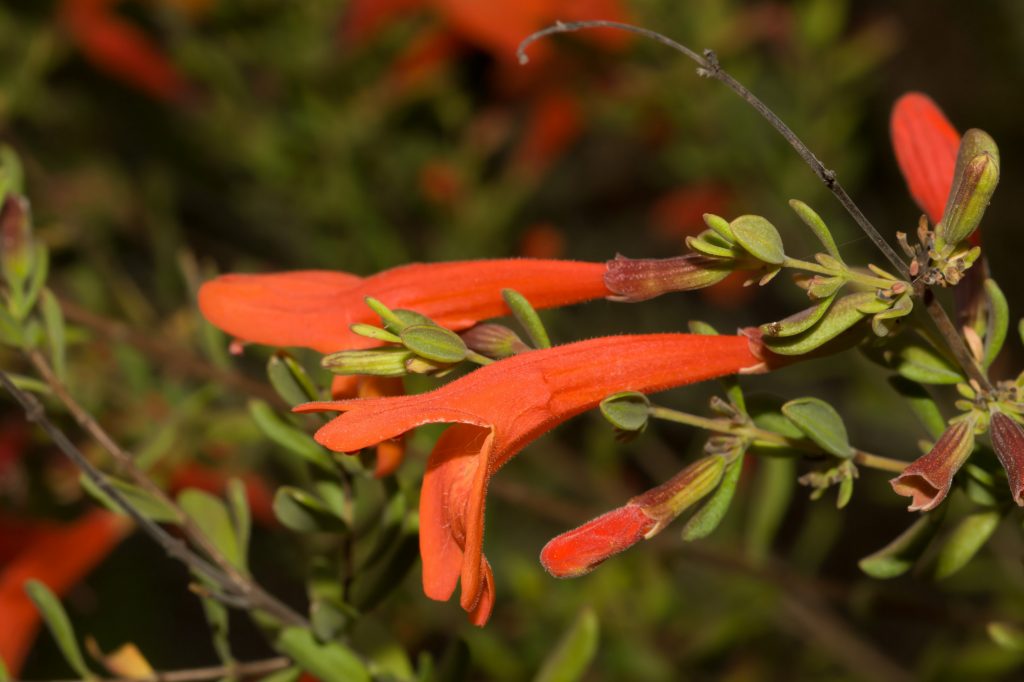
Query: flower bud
(976,177)
(15,237)
(384,362)
(927,479)
(579,551)
(637,279)
(1008,441)
(494,341)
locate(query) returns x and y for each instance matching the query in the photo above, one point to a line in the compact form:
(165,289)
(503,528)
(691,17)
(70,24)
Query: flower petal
(579,551)
(926,145)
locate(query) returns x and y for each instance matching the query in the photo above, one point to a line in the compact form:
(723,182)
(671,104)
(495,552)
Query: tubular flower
(58,557)
(549,386)
(315,308)
(120,49)
(926,145)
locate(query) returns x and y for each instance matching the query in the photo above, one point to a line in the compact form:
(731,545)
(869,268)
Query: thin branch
(708,67)
(233,584)
(167,355)
(234,671)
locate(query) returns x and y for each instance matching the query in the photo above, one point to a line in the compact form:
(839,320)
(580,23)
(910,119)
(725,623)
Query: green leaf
(30,384)
(157,447)
(59,625)
(290,380)
(392,321)
(712,244)
(998,322)
(376,333)
(146,503)
(628,411)
(773,490)
(799,322)
(711,513)
(527,317)
(845,492)
(330,618)
(1006,635)
(719,225)
(289,437)
(305,513)
(897,557)
(434,343)
(371,587)
(842,315)
(759,238)
(211,515)
(330,662)
(40,271)
(574,653)
(241,516)
(925,366)
(818,227)
(53,319)
(701,327)
(820,422)
(218,619)
(967,538)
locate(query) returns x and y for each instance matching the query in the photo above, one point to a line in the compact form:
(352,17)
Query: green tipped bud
(494,341)
(976,177)
(15,238)
(639,279)
(434,343)
(382,362)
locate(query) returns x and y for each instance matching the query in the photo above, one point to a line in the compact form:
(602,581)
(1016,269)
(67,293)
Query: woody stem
(764,437)
(223,574)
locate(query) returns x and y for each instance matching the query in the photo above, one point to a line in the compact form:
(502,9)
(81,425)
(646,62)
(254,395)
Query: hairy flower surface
(315,308)
(927,480)
(926,145)
(500,408)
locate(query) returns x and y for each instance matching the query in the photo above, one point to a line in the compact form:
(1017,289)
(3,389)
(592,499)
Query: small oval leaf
(574,653)
(759,238)
(842,315)
(820,422)
(434,343)
(627,411)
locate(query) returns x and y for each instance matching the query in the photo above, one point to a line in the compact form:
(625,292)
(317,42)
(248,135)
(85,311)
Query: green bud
(759,238)
(975,179)
(434,343)
(384,362)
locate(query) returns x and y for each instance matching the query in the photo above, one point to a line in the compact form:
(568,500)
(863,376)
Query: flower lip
(927,480)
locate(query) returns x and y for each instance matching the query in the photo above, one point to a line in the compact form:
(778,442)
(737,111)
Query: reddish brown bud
(638,279)
(927,479)
(494,341)
(1008,441)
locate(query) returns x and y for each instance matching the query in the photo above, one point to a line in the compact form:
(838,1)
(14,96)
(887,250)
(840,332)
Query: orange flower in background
(121,50)
(549,386)
(60,557)
(926,145)
(314,309)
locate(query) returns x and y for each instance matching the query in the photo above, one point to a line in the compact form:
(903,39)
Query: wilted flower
(927,480)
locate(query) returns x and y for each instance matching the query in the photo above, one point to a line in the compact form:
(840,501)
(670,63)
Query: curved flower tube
(549,386)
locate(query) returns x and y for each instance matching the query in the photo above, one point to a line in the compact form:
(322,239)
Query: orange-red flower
(59,557)
(926,145)
(315,309)
(548,386)
(120,49)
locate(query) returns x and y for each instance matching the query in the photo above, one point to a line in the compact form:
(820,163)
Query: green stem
(765,437)
(846,273)
(473,356)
